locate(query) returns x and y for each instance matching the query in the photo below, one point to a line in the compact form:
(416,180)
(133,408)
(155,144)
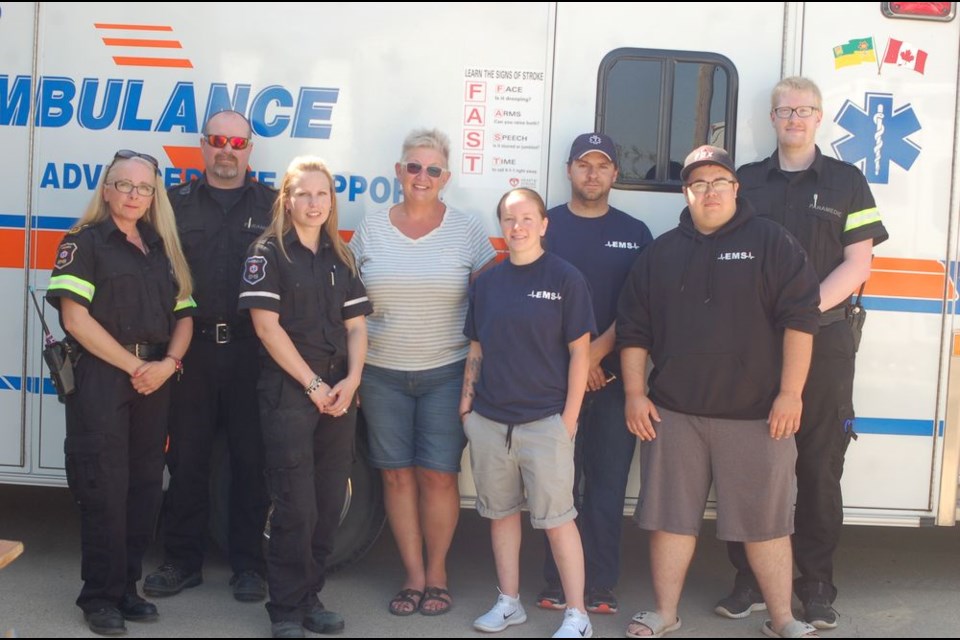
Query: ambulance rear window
(660,104)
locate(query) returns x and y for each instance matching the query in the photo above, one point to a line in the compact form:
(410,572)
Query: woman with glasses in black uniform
(123,290)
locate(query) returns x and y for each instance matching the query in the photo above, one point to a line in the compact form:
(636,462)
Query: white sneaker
(576,624)
(508,611)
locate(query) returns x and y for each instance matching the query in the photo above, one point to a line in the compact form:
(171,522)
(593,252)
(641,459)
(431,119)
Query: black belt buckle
(222,333)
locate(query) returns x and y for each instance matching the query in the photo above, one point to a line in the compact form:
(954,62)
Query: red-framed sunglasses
(219,142)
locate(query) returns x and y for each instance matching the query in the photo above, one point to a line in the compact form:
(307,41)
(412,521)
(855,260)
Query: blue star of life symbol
(878,136)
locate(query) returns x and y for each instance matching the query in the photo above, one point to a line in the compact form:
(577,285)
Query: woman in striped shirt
(416,259)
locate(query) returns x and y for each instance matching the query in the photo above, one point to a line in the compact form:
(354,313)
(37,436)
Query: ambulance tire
(361,520)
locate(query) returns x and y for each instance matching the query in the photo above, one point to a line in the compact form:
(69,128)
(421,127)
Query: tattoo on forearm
(471,375)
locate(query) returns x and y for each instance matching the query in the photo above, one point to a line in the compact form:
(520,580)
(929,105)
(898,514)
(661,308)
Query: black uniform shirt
(827,207)
(216,240)
(132,295)
(313,293)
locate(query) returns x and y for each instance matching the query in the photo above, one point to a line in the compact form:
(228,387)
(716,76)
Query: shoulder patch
(254,269)
(65,255)
(185,188)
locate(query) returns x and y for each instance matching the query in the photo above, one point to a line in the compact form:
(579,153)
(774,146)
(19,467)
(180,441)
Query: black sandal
(436,594)
(411,596)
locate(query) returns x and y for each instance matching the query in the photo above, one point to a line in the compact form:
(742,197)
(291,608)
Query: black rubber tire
(360,523)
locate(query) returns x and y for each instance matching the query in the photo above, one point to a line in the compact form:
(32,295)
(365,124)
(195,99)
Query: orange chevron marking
(132,27)
(139,42)
(130,61)
(907,278)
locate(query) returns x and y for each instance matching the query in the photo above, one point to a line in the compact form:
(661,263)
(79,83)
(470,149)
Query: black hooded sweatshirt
(711,310)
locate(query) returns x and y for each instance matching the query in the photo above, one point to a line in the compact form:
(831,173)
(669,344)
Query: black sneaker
(319,620)
(820,614)
(249,586)
(602,601)
(107,621)
(134,608)
(169,580)
(552,597)
(741,602)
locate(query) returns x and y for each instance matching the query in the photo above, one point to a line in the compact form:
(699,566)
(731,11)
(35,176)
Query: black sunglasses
(126,154)
(414,168)
(219,142)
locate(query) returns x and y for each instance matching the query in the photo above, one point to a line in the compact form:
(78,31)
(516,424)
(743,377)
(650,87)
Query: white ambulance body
(512,84)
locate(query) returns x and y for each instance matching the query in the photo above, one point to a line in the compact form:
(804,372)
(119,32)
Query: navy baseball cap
(707,155)
(587,142)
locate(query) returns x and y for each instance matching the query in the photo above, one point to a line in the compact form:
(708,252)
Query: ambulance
(512,84)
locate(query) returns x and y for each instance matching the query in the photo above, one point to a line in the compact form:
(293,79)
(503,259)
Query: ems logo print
(254,269)
(65,255)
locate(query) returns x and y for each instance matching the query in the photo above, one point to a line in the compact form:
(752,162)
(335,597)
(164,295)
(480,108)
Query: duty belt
(833,315)
(148,351)
(222,332)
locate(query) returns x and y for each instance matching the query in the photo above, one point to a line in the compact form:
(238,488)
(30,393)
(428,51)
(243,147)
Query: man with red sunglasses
(218,217)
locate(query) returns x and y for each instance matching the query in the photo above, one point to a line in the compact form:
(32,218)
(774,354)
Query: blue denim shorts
(413,417)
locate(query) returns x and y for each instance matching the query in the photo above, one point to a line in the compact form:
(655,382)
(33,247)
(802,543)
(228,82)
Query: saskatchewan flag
(854,52)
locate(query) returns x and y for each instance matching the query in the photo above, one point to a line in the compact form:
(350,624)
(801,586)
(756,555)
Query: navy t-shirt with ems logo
(524,317)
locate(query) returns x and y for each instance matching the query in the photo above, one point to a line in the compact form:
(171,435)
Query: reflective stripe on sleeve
(184,304)
(350,303)
(73,284)
(262,294)
(861,219)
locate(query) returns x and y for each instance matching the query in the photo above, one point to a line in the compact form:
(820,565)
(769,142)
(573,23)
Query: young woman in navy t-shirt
(530,322)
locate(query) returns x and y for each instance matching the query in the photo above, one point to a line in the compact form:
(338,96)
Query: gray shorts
(754,476)
(538,463)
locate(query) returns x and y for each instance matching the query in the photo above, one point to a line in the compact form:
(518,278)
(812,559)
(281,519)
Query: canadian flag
(904,54)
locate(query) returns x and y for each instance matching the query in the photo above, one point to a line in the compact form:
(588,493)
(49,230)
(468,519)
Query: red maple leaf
(907,55)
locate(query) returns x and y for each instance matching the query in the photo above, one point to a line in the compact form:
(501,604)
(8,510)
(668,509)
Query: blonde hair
(427,139)
(159,215)
(796,83)
(281,222)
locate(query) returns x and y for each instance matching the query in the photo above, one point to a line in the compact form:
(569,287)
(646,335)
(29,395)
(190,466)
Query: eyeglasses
(125,186)
(784,113)
(414,168)
(219,142)
(127,154)
(720,185)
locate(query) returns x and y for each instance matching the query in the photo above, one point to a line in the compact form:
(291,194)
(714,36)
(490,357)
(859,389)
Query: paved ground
(894,583)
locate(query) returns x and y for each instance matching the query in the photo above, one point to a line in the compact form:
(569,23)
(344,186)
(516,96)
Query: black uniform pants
(217,391)
(309,456)
(826,428)
(114,462)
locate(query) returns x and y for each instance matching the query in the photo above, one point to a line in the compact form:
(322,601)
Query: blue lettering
(218,99)
(397,191)
(172,176)
(258,112)
(50,177)
(91,178)
(103,103)
(71,175)
(192,174)
(181,110)
(380,189)
(268,178)
(358,186)
(339,183)
(310,113)
(14,102)
(88,99)
(131,104)
(55,94)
